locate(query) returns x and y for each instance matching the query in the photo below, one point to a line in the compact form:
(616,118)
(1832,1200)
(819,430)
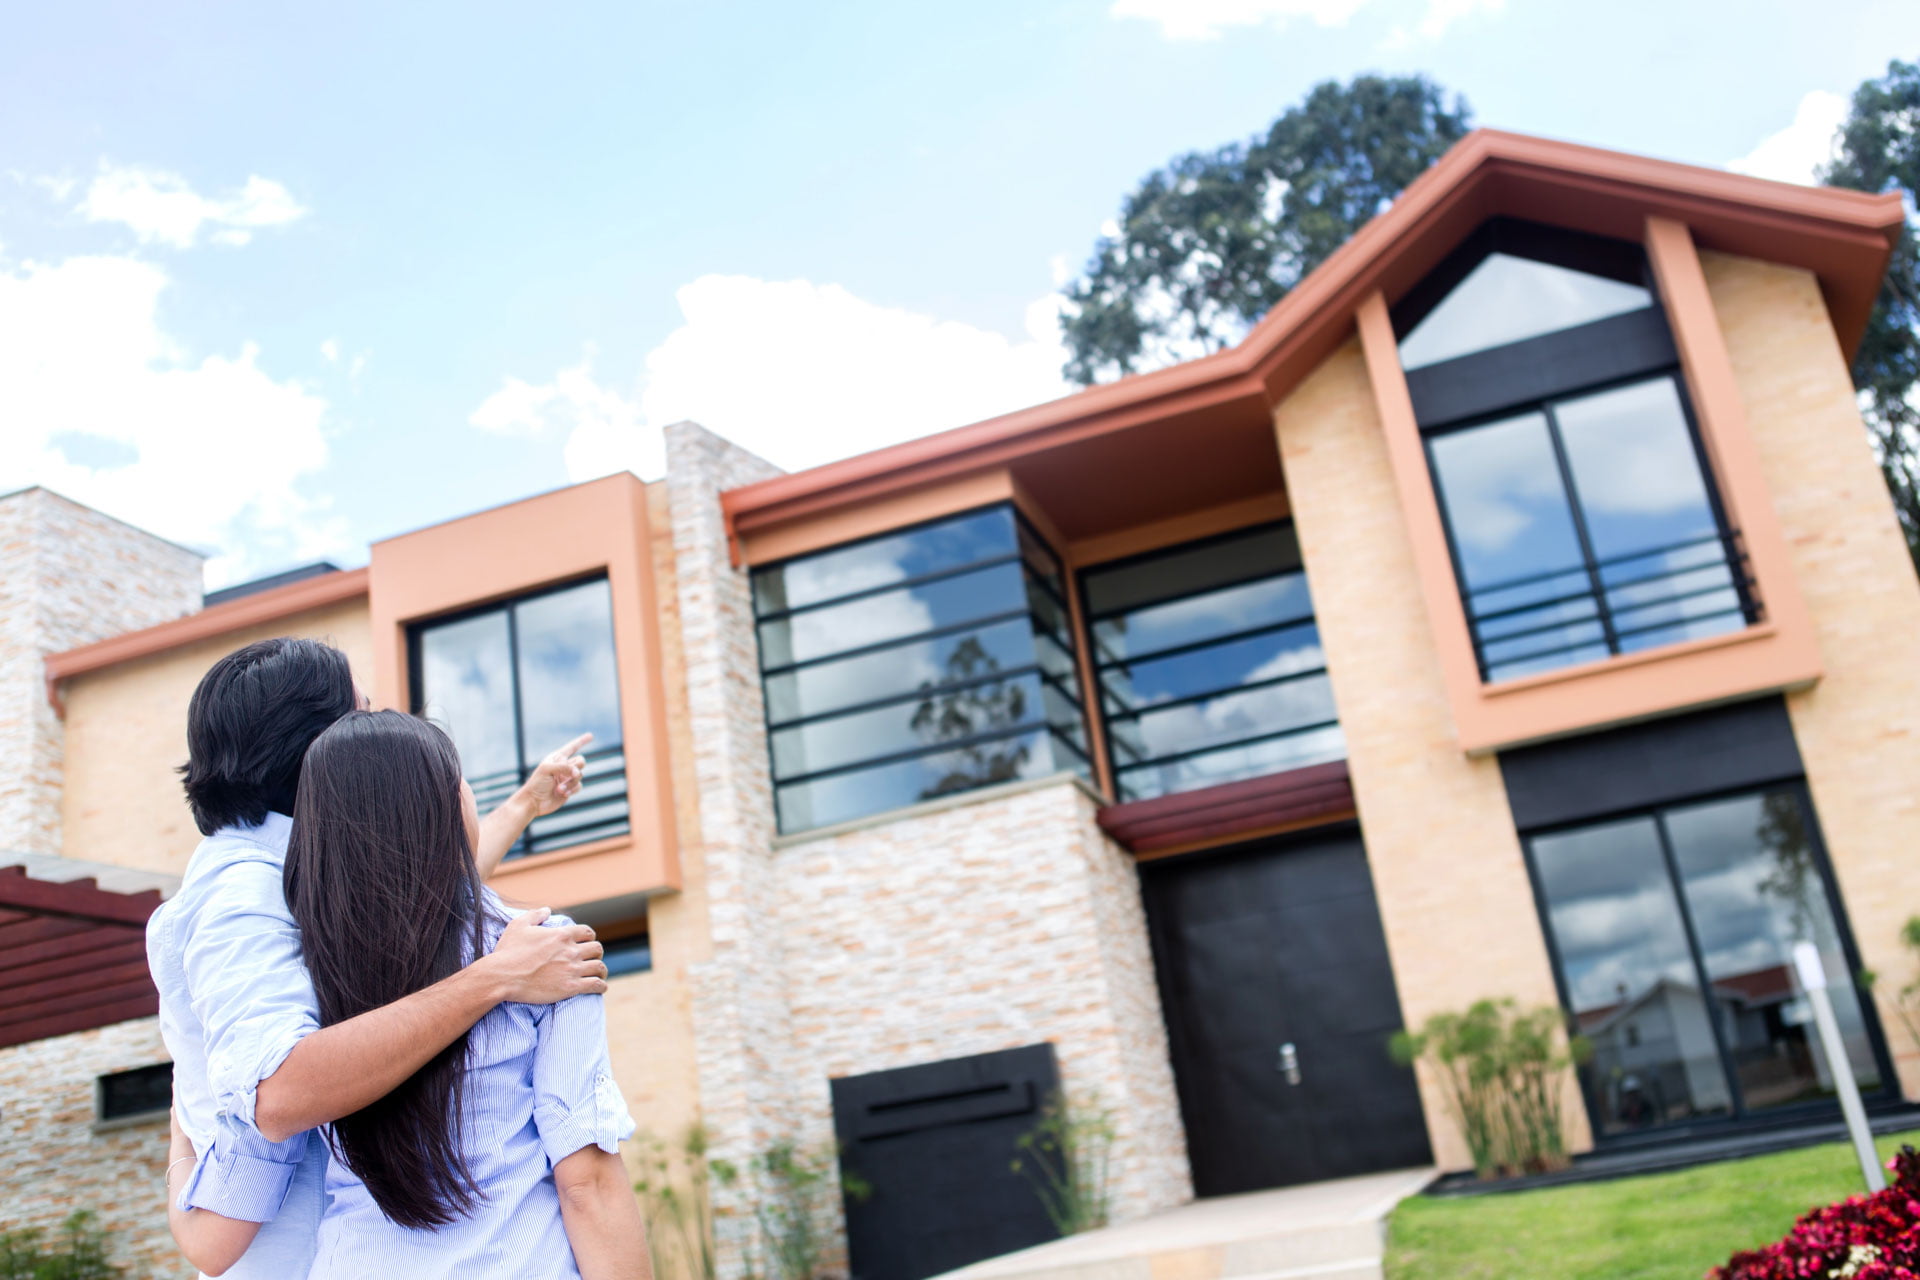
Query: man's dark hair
(256,712)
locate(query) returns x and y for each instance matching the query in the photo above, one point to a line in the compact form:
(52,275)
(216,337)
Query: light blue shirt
(234,1000)
(538,1088)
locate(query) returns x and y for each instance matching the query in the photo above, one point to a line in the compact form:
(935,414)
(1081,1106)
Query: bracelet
(175,1165)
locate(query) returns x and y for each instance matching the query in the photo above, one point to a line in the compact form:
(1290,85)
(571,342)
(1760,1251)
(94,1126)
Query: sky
(277,282)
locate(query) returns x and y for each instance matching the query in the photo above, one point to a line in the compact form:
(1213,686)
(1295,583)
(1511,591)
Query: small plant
(1499,1070)
(675,1194)
(77,1252)
(1906,1001)
(1864,1237)
(1068,1156)
(792,1193)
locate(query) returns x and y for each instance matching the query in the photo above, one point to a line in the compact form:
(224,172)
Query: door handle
(1289,1065)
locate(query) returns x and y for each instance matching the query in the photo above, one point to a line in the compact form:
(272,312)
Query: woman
(500,1156)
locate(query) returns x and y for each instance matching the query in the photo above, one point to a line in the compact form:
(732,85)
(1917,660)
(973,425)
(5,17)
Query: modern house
(1517,611)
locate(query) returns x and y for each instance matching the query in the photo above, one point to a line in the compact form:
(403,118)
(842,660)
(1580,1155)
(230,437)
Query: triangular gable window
(1513,281)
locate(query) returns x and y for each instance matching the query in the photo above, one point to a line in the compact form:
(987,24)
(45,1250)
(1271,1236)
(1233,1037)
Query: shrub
(1500,1070)
(675,1195)
(1864,1237)
(1068,1156)
(78,1252)
(792,1195)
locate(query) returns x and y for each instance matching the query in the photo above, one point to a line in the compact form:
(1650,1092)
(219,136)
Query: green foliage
(1207,245)
(1906,1001)
(1500,1070)
(793,1194)
(1879,150)
(675,1194)
(77,1252)
(1068,1156)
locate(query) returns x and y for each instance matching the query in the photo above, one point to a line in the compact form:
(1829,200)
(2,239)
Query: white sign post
(1813,976)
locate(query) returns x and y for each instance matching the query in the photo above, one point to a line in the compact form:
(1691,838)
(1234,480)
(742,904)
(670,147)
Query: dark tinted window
(1209,664)
(144,1091)
(515,681)
(916,665)
(1584,528)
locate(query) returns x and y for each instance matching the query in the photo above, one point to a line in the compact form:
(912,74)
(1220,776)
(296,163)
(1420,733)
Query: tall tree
(1879,150)
(1208,244)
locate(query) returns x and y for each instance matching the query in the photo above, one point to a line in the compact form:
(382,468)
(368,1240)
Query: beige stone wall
(1452,883)
(126,731)
(1859,727)
(1004,922)
(68,576)
(51,1161)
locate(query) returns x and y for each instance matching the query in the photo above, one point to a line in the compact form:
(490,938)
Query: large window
(1578,505)
(915,665)
(1209,664)
(1673,933)
(513,681)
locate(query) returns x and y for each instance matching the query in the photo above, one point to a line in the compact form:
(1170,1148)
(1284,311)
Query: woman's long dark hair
(380,878)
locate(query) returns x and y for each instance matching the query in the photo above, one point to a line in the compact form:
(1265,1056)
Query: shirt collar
(272,833)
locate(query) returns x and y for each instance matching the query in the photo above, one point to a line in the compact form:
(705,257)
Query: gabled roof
(1844,237)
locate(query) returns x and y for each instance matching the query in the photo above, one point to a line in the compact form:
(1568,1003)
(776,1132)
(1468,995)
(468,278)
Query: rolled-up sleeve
(576,1103)
(249,984)
(242,1175)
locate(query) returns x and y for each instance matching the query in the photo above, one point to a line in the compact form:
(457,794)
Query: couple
(378,1069)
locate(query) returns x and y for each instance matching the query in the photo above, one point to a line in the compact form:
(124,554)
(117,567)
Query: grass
(1667,1225)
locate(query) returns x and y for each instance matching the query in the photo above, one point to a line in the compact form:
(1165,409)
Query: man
(237,1009)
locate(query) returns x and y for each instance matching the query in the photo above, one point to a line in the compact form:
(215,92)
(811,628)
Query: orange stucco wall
(599,527)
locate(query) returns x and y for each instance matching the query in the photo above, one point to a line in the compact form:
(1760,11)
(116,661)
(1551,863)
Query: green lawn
(1667,1225)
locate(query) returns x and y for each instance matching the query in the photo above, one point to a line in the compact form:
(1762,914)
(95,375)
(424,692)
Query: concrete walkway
(1324,1231)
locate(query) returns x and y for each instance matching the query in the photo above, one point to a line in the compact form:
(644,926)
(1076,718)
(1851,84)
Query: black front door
(1279,1003)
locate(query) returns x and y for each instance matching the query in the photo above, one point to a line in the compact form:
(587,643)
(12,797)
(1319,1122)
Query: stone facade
(1455,899)
(54,1161)
(68,576)
(1859,727)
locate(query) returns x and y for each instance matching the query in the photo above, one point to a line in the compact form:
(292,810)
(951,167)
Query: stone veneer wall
(870,948)
(1859,727)
(987,925)
(68,576)
(54,1163)
(1452,883)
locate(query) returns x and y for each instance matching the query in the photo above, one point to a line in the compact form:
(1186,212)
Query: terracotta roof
(1844,237)
(72,954)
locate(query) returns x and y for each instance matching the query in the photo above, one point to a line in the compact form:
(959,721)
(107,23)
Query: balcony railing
(1662,595)
(598,811)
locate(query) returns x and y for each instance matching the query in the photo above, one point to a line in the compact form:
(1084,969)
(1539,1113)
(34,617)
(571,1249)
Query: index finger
(573,748)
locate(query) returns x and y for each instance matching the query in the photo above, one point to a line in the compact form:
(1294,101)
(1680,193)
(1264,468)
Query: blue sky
(275,282)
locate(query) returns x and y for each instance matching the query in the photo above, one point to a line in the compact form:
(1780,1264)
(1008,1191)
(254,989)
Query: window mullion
(525,840)
(1580,529)
(1735,1094)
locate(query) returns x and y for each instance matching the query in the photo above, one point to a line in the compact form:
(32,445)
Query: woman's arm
(210,1242)
(602,1217)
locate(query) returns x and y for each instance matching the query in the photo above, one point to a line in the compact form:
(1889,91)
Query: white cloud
(161,208)
(100,404)
(1440,16)
(797,372)
(1794,153)
(1207,19)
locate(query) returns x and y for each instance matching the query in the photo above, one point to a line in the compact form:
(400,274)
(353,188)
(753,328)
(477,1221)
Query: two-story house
(1517,611)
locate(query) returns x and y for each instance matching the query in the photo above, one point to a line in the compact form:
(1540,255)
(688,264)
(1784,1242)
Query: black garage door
(1279,1003)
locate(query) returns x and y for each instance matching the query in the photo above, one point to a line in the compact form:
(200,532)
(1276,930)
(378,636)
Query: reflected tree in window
(980,705)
